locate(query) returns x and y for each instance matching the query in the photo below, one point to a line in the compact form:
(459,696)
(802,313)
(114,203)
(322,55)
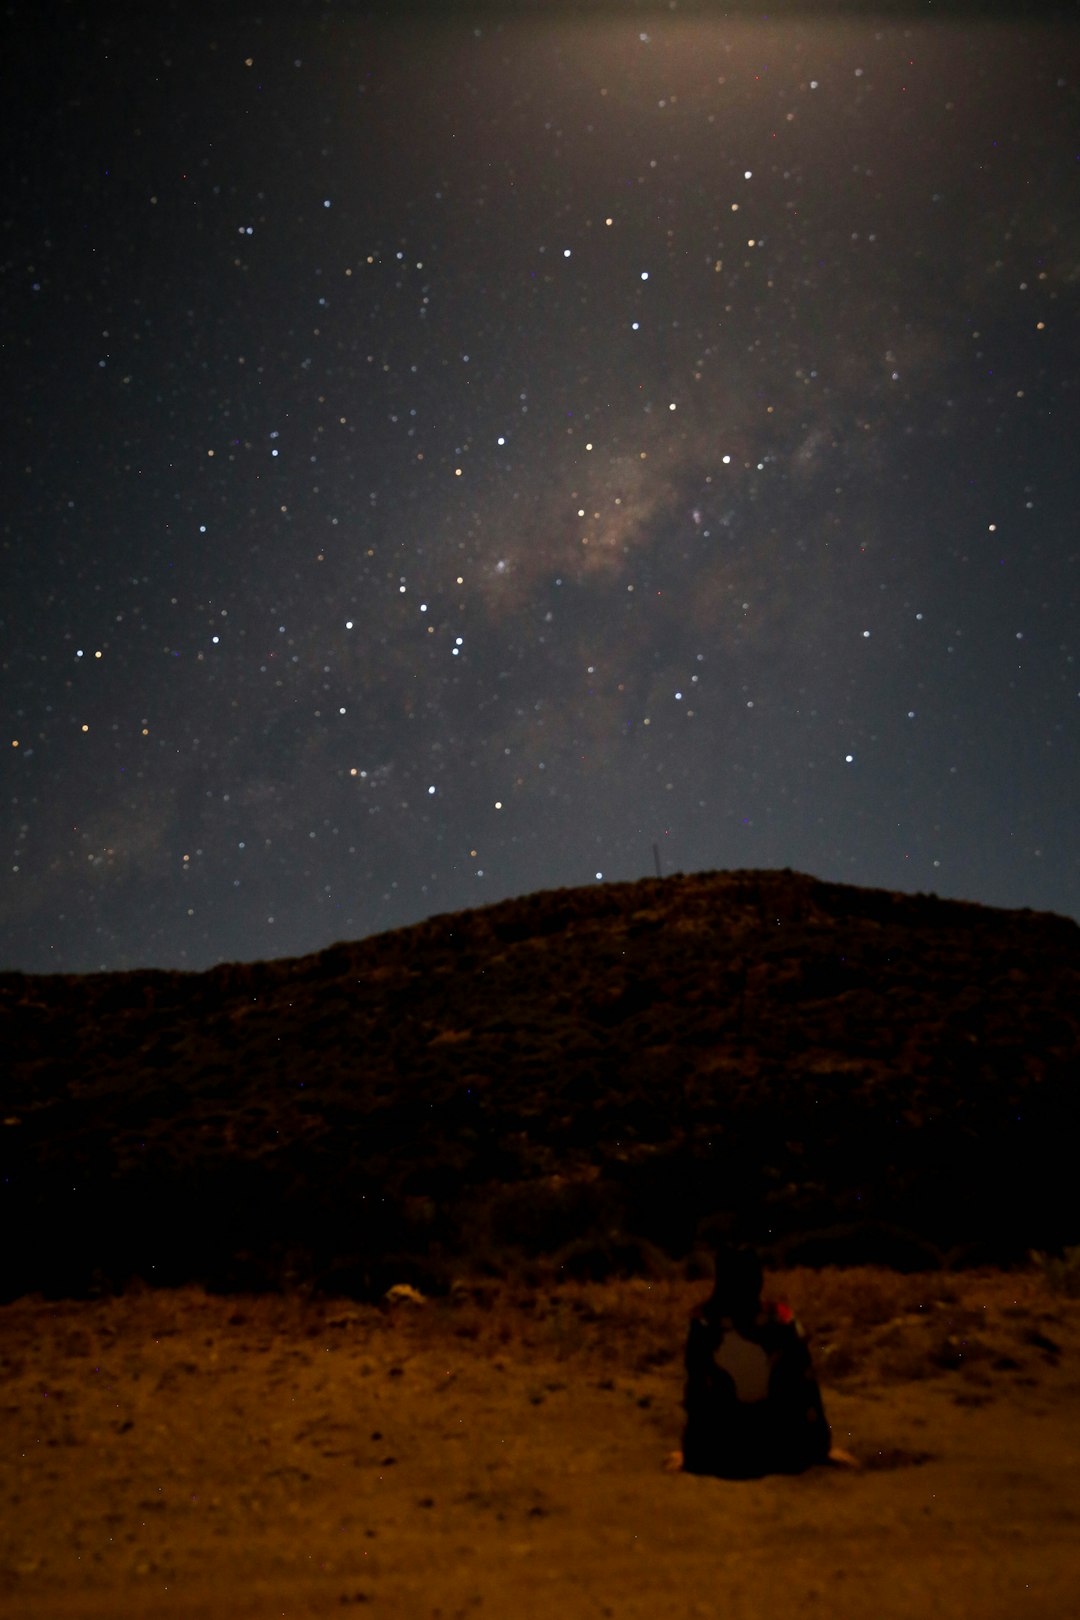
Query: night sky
(445,461)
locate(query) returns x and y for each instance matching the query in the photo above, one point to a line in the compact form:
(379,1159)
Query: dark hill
(829,1071)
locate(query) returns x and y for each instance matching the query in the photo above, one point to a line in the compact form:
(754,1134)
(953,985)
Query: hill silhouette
(592,1076)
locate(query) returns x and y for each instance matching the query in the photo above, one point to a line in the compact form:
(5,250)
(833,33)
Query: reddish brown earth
(560,1098)
(501,1452)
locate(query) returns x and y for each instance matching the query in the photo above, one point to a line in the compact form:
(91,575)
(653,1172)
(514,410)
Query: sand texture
(500,1452)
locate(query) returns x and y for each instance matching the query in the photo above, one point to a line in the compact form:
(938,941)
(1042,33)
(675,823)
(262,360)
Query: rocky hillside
(598,1074)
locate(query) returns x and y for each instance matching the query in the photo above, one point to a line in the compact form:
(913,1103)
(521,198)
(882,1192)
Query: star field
(448,460)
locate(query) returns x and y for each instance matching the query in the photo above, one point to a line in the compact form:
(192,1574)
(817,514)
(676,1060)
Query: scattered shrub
(1062,1272)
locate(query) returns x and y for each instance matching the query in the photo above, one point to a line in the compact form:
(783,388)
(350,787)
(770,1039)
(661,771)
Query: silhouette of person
(752,1401)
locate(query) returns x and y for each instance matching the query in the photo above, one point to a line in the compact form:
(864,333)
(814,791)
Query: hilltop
(597,1077)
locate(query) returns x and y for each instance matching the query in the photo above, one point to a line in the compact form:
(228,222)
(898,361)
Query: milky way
(452,460)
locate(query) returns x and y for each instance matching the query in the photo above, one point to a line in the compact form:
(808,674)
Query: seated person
(752,1401)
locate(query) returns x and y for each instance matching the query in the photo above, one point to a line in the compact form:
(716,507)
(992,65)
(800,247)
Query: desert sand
(501,1452)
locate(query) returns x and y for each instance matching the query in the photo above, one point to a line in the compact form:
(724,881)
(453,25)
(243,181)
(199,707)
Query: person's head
(737,1288)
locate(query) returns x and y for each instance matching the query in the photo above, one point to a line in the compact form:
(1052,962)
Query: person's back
(752,1402)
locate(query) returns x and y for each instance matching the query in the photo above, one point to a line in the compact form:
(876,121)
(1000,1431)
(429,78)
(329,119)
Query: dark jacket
(752,1402)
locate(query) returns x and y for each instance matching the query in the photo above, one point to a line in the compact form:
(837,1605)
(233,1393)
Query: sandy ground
(502,1454)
